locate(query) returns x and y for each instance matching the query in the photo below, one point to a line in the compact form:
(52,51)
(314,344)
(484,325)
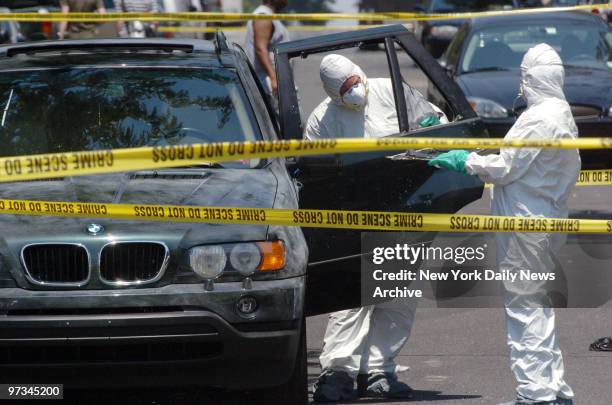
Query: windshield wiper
(203,165)
(488,69)
(6,108)
(585,67)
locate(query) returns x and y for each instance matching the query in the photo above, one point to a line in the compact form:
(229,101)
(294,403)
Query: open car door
(373,181)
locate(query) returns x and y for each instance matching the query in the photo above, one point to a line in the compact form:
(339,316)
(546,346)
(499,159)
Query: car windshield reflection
(62,110)
(503,47)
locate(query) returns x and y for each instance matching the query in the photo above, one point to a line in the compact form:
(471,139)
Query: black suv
(178,303)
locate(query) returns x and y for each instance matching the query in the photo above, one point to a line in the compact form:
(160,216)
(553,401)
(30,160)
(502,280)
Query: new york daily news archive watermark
(398,267)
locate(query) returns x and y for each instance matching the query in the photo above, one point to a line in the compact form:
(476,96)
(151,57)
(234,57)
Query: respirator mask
(356,97)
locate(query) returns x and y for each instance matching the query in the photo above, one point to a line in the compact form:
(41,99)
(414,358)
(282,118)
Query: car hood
(254,188)
(582,86)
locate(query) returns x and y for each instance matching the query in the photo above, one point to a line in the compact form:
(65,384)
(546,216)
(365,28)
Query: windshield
(498,48)
(447,6)
(46,111)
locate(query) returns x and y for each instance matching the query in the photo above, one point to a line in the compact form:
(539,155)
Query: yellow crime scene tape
(290,28)
(108,161)
(52,165)
(362,220)
(220,17)
(602,177)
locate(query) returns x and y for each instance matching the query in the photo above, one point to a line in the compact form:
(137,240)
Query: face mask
(356,97)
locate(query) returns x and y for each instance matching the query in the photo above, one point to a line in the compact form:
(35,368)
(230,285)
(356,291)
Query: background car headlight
(443,31)
(486,108)
(207,261)
(245,258)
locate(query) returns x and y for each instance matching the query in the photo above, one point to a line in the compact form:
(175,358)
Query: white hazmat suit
(364,340)
(536,183)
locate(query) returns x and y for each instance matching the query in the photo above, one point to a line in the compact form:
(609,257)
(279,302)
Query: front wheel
(294,391)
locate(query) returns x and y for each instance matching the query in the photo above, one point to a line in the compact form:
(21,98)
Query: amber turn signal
(272,255)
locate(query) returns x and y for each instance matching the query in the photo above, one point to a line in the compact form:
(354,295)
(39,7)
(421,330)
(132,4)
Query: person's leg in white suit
(535,356)
(364,341)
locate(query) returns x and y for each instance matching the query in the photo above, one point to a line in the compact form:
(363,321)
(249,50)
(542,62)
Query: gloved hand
(429,121)
(452,160)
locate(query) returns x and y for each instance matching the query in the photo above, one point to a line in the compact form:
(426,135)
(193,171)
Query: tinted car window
(504,47)
(444,6)
(96,108)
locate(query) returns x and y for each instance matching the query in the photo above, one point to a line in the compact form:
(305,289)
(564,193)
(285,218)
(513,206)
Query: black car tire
(294,391)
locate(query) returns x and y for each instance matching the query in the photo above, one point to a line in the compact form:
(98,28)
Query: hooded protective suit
(536,183)
(336,118)
(367,339)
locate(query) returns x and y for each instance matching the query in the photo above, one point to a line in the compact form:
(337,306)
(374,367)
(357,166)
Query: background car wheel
(294,391)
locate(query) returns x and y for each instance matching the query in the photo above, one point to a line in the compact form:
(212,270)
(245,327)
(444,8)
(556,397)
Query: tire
(294,391)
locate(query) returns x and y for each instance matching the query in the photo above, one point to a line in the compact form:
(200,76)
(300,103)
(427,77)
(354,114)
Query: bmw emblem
(95,229)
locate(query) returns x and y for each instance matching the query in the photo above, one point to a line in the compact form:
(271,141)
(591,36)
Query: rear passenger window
(414,75)
(312,95)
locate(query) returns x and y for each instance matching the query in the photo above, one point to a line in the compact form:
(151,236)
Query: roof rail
(90,44)
(220,42)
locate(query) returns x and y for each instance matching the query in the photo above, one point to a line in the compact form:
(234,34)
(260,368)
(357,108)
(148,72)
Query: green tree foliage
(296,6)
(310,6)
(250,5)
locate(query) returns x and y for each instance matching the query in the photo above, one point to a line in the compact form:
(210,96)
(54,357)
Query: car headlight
(210,262)
(207,261)
(245,257)
(486,108)
(610,112)
(444,31)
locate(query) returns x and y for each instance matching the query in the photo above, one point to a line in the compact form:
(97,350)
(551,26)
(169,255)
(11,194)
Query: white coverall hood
(334,71)
(542,74)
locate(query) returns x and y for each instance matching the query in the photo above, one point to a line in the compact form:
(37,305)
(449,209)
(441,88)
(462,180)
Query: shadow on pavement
(418,396)
(159,396)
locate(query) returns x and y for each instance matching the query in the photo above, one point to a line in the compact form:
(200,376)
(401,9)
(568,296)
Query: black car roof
(527,18)
(168,52)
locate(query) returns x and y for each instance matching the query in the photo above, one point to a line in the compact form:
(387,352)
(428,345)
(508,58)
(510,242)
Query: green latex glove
(452,160)
(429,121)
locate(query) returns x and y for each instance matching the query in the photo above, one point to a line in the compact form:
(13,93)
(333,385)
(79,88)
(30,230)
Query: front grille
(132,262)
(92,311)
(56,263)
(104,353)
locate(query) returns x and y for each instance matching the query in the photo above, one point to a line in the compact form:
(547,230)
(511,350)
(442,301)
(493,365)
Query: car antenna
(220,43)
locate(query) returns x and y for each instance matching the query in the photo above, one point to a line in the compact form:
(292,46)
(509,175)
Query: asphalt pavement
(459,356)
